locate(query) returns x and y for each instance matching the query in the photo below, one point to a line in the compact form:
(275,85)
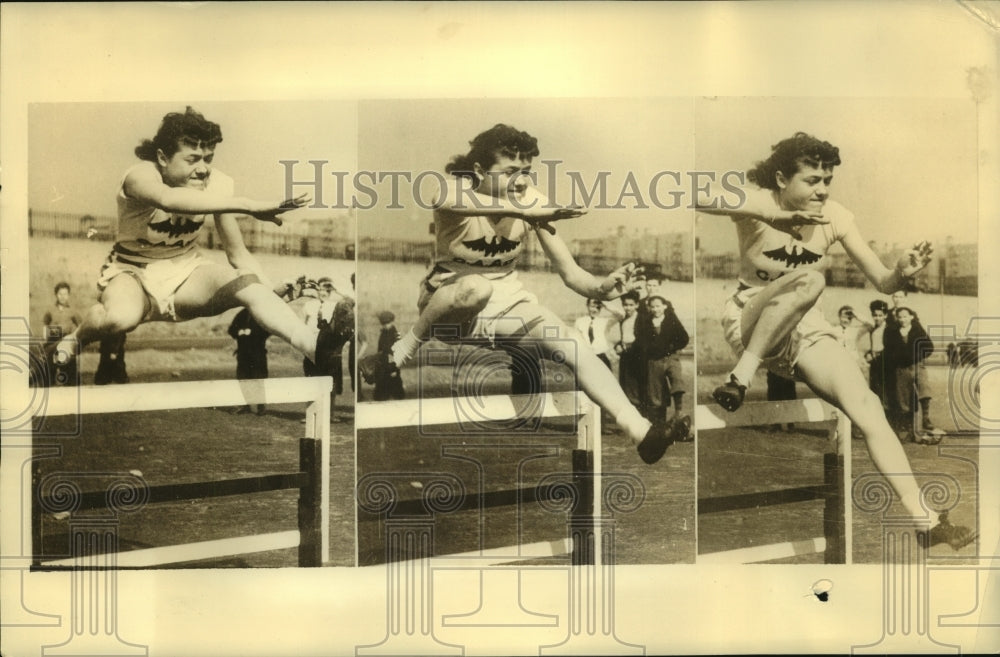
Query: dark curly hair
(189,128)
(788,154)
(501,139)
(878,304)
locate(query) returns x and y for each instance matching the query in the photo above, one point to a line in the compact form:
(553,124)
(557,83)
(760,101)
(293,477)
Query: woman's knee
(866,407)
(120,319)
(472,292)
(808,285)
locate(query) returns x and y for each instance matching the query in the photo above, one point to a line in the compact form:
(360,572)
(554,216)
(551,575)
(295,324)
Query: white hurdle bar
(138,397)
(502,408)
(802,411)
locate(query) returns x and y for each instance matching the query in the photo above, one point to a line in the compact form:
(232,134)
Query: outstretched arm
(580,280)
(461,200)
(884,279)
(756,203)
(144,183)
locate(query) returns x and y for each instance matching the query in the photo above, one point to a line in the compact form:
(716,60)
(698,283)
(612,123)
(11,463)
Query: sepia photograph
(163,251)
(499,328)
(836,277)
(520,252)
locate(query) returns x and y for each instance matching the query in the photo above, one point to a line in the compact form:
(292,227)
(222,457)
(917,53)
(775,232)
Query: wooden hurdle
(312,478)
(836,480)
(586,459)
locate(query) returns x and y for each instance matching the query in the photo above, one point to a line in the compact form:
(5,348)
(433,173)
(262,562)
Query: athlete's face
(190,166)
(508,177)
(630,306)
(807,190)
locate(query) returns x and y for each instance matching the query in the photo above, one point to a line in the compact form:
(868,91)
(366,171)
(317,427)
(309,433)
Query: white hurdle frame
(499,408)
(137,397)
(802,411)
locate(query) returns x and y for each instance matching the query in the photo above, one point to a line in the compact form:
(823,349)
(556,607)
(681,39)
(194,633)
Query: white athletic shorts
(497,318)
(160,279)
(811,328)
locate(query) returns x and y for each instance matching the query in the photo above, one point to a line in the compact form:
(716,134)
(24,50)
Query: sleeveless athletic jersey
(147,234)
(480,244)
(767,253)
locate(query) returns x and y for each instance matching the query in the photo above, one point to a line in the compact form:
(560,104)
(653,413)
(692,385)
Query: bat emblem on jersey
(499,244)
(793,256)
(175,226)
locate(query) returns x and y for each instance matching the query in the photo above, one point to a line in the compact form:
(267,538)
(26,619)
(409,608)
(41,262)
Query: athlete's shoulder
(841,219)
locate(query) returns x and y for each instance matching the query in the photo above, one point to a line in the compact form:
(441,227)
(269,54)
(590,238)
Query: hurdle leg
(311,504)
(318,428)
(584,536)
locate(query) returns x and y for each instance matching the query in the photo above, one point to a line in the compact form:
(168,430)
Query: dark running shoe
(372,365)
(730,395)
(956,536)
(684,433)
(927,425)
(659,437)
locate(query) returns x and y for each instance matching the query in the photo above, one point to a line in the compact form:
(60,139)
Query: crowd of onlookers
(892,349)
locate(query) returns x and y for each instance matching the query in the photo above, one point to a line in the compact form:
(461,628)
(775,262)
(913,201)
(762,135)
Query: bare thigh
(125,302)
(199,295)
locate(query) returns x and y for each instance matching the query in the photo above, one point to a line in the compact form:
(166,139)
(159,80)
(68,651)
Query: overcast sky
(79,151)
(904,160)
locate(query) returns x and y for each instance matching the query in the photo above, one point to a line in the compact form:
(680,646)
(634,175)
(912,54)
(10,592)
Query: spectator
(111,367)
(660,336)
(595,329)
(880,379)
(388,382)
(906,346)
(251,351)
(631,368)
(60,320)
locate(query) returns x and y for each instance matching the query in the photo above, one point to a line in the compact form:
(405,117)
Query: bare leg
(767,319)
(843,386)
(212,289)
(456,304)
(593,376)
(773,313)
(122,306)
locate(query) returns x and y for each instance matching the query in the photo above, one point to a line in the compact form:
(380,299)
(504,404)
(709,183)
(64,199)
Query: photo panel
(194,398)
(811,491)
(530,338)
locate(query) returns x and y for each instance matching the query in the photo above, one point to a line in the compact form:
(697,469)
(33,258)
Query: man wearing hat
(660,335)
(388,382)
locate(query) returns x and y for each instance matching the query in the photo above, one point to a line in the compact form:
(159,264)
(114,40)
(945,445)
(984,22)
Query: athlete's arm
(884,279)
(580,280)
(461,200)
(236,249)
(755,203)
(144,183)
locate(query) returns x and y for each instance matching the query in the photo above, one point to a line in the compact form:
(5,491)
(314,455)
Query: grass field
(660,531)
(775,460)
(175,446)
